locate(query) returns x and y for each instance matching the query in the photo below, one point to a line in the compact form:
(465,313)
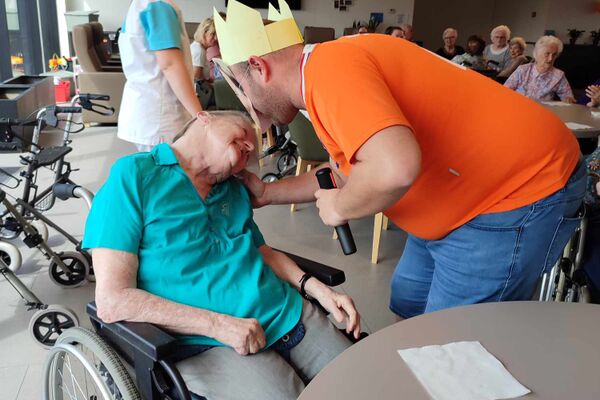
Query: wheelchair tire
(48,324)
(286,161)
(11,256)
(74,260)
(270,177)
(105,376)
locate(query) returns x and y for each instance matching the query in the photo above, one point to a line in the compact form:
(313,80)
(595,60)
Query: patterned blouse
(529,82)
(592,198)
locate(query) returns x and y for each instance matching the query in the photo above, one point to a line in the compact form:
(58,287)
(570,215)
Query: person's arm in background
(593,93)
(163,35)
(171,63)
(514,80)
(564,91)
(119,299)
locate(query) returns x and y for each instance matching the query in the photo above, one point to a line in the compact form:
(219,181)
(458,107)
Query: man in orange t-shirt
(486,182)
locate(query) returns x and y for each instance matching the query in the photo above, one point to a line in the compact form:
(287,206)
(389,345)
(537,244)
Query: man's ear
(258,64)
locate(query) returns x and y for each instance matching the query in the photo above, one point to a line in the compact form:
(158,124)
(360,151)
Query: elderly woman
(497,53)
(517,47)
(174,244)
(473,57)
(539,80)
(205,37)
(450,49)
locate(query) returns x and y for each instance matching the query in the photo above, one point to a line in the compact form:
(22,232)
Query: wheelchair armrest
(131,338)
(328,275)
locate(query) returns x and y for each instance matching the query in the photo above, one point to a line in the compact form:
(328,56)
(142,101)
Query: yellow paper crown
(244,34)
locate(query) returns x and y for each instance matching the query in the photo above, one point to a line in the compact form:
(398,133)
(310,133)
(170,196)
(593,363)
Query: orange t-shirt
(484,148)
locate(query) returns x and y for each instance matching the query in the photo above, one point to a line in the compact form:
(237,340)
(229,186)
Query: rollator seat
(50,155)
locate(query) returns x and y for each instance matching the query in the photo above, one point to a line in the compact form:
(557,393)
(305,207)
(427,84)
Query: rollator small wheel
(268,178)
(46,325)
(79,266)
(41,228)
(11,256)
(286,161)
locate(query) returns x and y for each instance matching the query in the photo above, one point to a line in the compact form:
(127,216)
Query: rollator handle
(325,178)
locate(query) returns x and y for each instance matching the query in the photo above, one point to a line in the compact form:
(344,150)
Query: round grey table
(580,114)
(551,348)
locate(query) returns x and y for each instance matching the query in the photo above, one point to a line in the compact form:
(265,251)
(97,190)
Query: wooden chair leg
(334,236)
(300,168)
(270,137)
(386,223)
(259,146)
(377,226)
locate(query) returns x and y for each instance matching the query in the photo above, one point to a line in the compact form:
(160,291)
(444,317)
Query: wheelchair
(566,281)
(131,360)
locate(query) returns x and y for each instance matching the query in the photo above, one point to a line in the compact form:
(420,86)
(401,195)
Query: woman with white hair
(539,80)
(497,54)
(516,47)
(450,49)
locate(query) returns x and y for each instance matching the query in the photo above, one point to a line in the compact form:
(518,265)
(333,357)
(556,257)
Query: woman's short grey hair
(501,28)
(546,41)
(220,113)
(449,30)
(519,41)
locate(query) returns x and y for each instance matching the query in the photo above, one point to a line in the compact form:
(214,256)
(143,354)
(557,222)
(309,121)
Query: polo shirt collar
(163,155)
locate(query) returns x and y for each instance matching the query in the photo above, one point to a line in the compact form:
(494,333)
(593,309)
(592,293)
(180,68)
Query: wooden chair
(310,150)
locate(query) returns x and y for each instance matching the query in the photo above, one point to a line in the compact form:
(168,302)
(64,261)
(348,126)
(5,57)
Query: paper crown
(244,34)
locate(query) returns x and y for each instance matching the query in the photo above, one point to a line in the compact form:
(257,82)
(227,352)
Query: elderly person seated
(517,47)
(362,30)
(174,244)
(450,49)
(473,57)
(539,80)
(407,29)
(394,31)
(497,54)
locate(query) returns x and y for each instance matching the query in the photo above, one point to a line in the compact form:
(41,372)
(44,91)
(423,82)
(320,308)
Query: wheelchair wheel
(82,366)
(46,325)
(79,266)
(11,256)
(270,177)
(286,161)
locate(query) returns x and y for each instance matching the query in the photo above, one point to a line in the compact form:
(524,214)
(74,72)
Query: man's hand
(256,188)
(339,305)
(244,335)
(326,201)
(593,92)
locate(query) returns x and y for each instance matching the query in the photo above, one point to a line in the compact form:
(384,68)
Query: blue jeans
(494,257)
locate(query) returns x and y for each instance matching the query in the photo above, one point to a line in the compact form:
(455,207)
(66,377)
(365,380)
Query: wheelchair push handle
(325,178)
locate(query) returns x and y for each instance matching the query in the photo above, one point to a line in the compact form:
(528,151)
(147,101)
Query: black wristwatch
(303,280)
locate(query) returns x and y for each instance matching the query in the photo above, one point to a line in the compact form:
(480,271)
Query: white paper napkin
(574,126)
(596,114)
(462,370)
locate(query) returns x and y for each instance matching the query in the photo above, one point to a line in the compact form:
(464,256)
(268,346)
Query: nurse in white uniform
(159,95)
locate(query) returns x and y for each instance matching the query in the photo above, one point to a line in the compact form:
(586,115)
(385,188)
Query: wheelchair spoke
(47,336)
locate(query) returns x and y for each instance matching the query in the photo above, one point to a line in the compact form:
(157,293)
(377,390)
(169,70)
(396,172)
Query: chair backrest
(98,41)
(349,31)
(310,147)
(84,48)
(225,98)
(315,34)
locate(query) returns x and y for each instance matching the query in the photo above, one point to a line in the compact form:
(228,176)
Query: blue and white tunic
(150,111)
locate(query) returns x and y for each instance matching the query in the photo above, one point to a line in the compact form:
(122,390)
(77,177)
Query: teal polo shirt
(199,252)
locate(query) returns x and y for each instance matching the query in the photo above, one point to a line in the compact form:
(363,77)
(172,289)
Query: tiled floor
(21,359)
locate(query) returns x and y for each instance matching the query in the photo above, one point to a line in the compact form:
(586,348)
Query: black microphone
(325,178)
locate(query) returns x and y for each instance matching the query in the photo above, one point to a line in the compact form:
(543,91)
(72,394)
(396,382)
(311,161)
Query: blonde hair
(548,41)
(205,28)
(504,28)
(519,41)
